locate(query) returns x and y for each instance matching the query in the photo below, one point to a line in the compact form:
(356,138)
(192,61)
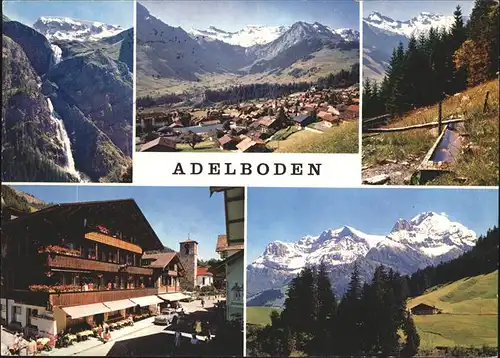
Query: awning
(86,310)
(146,300)
(119,305)
(174,296)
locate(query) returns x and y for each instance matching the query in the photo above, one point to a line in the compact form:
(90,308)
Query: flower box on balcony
(55,288)
(56,249)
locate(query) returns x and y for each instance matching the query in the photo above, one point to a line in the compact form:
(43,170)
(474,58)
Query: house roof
(247,143)
(301,118)
(160,260)
(160,141)
(203,271)
(267,120)
(423,306)
(225,139)
(353,108)
(126,208)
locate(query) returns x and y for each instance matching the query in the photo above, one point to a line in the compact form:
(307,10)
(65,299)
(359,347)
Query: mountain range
(381,34)
(167,52)
(67,104)
(426,239)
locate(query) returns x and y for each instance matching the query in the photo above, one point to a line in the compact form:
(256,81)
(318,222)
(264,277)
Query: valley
(251,84)
(68,86)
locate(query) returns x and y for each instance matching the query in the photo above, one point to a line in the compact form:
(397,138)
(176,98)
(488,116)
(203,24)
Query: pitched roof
(353,108)
(225,139)
(203,271)
(160,141)
(301,118)
(247,143)
(266,121)
(160,260)
(126,207)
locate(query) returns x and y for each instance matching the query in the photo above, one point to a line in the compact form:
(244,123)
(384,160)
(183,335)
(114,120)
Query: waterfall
(63,137)
(57,53)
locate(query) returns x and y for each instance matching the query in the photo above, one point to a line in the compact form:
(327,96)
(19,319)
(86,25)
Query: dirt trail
(390,172)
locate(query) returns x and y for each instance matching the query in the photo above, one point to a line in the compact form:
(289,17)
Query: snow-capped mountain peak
(427,239)
(252,35)
(66,28)
(414,26)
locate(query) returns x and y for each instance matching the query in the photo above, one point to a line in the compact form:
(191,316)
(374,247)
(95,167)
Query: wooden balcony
(49,299)
(78,263)
(168,289)
(113,241)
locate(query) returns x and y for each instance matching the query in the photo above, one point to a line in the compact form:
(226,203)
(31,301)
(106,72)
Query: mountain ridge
(425,239)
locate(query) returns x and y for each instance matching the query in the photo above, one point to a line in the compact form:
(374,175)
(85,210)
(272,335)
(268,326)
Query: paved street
(145,338)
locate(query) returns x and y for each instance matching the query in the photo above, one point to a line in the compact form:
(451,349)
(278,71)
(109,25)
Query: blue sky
(173,212)
(287,214)
(234,15)
(405,10)
(114,12)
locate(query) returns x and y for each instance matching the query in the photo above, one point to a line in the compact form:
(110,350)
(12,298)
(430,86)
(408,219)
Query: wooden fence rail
(416,126)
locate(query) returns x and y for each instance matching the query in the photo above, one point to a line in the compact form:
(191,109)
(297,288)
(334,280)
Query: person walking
(198,327)
(202,302)
(177,338)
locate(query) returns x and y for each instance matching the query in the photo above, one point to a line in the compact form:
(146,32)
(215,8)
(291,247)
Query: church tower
(188,254)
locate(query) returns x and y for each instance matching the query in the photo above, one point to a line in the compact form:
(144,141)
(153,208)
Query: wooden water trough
(443,154)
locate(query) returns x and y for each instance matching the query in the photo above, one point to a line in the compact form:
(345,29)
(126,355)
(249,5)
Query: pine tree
(300,307)
(412,342)
(458,35)
(349,316)
(323,340)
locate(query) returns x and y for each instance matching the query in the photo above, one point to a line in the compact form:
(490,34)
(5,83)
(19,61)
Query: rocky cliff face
(27,127)
(90,124)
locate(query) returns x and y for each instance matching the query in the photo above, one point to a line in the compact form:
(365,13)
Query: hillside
(399,154)
(469,316)
(20,200)
(260,316)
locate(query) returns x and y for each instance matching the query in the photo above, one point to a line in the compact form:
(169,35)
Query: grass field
(479,167)
(342,139)
(469,316)
(260,315)
(206,146)
(321,64)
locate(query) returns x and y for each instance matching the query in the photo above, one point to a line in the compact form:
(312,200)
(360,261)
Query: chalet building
(160,144)
(249,145)
(167,272)
(233,246)
(204,277)
(424,309)
(302,120)
(167,268)
(227,142)
(85,266)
